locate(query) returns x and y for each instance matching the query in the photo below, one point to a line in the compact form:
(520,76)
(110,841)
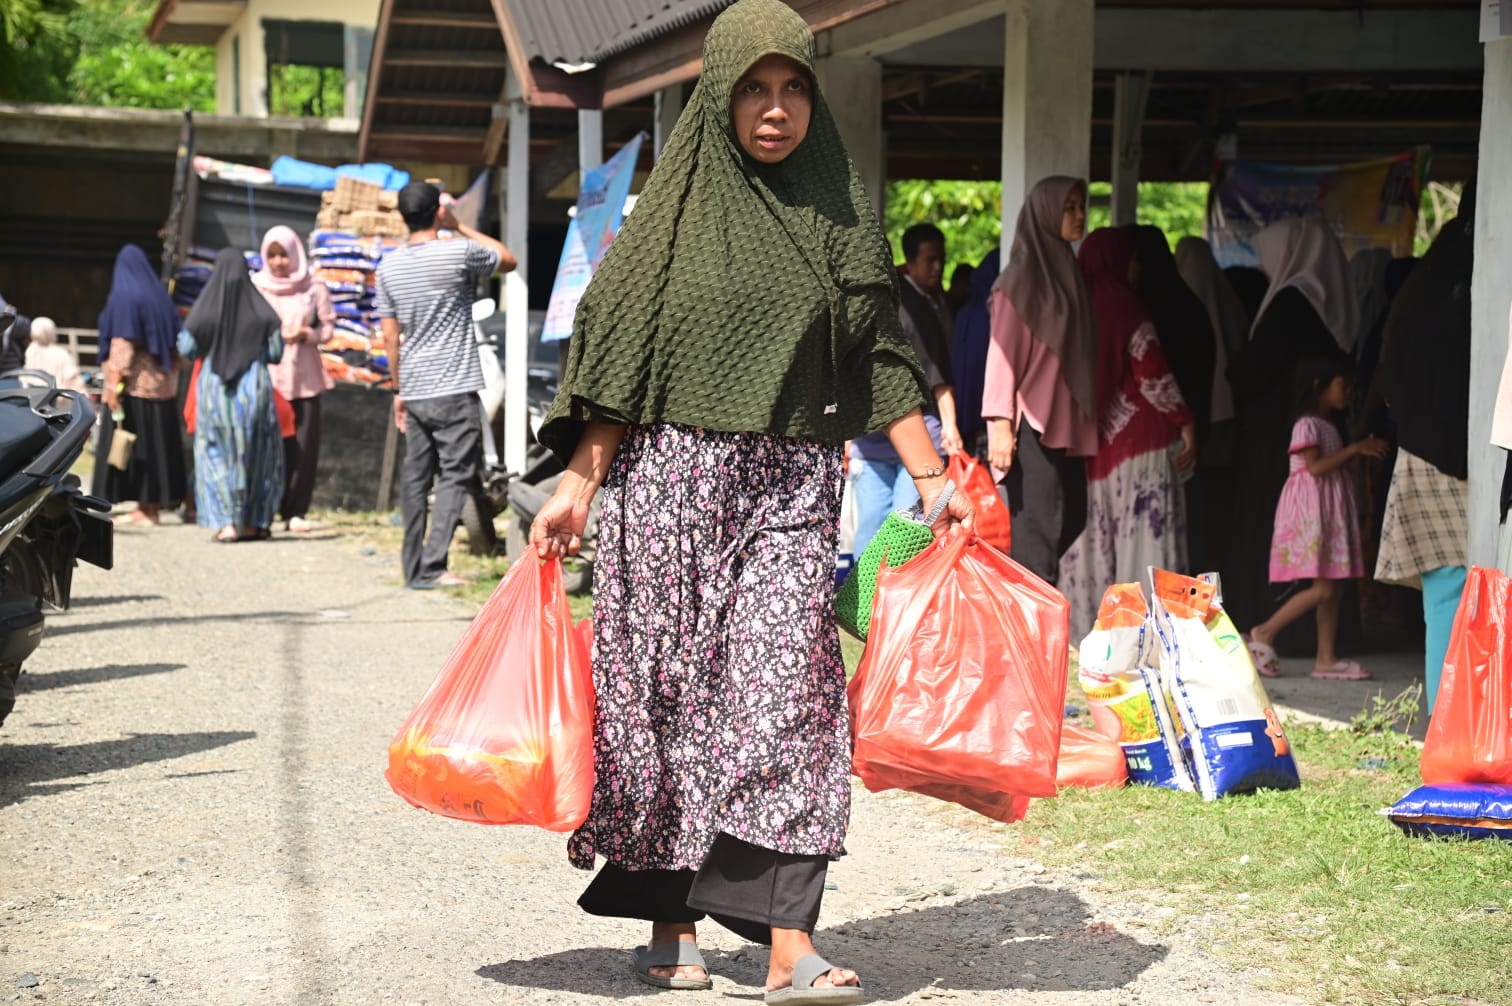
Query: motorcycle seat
(23,435)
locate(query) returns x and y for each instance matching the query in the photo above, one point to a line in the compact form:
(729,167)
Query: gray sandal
(809,969)
(678,954)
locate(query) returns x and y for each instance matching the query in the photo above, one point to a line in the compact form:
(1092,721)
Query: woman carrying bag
(741,328)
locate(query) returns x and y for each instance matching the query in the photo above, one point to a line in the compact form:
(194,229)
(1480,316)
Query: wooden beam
(375,79)
(477,59)
(900,25)
(456,99)
(446,19)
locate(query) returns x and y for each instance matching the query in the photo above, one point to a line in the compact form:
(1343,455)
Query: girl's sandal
(1343,670)
(1264,656)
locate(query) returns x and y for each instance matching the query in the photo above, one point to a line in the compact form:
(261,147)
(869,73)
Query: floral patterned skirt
(1136,518)
(720,688)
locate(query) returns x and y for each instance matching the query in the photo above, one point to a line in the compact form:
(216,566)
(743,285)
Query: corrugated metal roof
(590,31)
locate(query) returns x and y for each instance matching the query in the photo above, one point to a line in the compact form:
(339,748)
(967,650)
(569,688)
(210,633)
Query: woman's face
(278,261)
(771,108)
(1074,215)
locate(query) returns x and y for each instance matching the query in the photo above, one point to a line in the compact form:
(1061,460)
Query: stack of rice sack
(357,226)
(1467,752)
(194,272)
(1174,684)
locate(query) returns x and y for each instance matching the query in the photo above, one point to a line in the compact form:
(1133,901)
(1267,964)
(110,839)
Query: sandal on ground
(1264,656)
(678,954)
(809,969)
(133,518)
(298,525)
(1344,670)
(257,534)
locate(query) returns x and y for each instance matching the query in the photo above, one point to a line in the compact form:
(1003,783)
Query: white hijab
(1302,252)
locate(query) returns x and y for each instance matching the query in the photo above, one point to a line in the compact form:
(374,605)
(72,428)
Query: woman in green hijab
(741,328)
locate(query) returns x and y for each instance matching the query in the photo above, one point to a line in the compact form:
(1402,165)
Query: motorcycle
(47,522)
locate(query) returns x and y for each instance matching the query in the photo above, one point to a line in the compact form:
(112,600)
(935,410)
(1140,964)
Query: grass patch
(1311,883)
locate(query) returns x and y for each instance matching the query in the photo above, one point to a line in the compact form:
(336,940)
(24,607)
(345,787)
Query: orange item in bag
(1469,738)
(504,735)
(1089,760)
(962,686)
(993,523)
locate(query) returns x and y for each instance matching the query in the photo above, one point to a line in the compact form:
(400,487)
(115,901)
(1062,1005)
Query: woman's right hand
(558,528)
(958,510)
(110,397)
(1001,443)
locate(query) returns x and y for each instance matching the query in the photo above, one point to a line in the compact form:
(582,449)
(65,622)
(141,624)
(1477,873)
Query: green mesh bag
(903,535)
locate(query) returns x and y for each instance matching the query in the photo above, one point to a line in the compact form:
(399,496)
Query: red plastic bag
(962,685)
(1089,760)
(504,735)
(1469,738)
(993,523)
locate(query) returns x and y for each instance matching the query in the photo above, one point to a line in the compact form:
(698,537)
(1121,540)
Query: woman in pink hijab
(309,320)
(1039,393)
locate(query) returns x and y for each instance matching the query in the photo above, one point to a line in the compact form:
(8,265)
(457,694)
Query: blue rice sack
(1236,740)
(1455,810)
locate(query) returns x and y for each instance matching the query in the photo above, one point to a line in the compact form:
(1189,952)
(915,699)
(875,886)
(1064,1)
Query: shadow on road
(24,766)
(71,628)
(100,602)
(900,954)
(32,681)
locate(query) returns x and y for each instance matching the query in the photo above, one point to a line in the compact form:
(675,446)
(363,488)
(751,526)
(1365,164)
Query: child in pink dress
(1317,535)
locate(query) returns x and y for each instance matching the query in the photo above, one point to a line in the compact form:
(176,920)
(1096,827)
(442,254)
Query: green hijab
(741,296)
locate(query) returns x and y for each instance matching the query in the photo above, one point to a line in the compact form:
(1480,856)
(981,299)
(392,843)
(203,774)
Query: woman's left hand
(959,513)
(950,439)
(1186,458)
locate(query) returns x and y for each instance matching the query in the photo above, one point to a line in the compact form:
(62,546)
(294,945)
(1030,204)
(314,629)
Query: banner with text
(1373,204)
(600,210)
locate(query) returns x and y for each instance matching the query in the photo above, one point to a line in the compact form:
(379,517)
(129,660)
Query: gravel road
(192,810)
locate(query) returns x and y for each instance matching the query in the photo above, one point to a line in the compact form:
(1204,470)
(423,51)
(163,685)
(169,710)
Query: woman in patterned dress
(741,328)
(238,453)
(1136,516)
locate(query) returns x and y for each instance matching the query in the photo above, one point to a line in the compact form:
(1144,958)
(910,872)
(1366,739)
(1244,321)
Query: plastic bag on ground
(1089,760)
(1126,706)
(1469,738)
(962,686)
(994,524)
(1237,744)
(504,735)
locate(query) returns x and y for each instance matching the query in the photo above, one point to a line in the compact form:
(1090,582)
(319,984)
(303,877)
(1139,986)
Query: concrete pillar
(852,86)
(669,105)
(1489,298)
(1131,91)
(1047,98)
(516,290)
(590,139)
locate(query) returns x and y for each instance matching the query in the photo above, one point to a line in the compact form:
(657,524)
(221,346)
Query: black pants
(301,456)
(1047,496)
(745,888)
(443,441)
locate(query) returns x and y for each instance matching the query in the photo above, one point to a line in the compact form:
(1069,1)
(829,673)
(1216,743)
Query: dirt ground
(193,810)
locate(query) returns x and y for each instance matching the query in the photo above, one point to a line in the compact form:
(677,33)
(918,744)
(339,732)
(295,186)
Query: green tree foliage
(95,53)
(33,49)
(117,66)
(968,213)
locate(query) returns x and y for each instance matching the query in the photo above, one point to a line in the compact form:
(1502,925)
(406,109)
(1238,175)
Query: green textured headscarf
(741,296)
